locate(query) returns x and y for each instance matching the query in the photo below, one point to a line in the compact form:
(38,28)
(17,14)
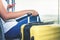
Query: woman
(11,15)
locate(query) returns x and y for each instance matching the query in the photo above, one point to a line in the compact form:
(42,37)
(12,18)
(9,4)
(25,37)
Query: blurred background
(47,9)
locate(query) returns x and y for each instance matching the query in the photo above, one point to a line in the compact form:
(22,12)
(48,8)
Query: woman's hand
(33,12)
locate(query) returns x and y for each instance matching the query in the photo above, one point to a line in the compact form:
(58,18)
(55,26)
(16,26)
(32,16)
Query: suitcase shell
(31,19)
(45,32)
(25,29)
(22,27)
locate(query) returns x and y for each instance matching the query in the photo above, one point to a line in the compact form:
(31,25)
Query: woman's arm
(11,15)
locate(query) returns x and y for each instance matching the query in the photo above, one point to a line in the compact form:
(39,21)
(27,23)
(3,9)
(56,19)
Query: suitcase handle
(29,14)
(38,18)
(42,23)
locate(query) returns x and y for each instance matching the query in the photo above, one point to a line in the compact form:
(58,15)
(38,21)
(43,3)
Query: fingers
(10,6)
(13,4)
(34,13)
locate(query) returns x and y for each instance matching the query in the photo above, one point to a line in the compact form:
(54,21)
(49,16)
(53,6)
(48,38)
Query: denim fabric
(15,31)
(1,31)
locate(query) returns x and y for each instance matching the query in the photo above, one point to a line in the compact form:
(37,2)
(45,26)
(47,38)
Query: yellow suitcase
(25,29)
(45,32)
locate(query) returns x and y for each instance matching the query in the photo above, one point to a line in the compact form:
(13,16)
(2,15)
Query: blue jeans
(15,31)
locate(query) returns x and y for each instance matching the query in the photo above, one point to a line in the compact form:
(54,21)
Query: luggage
(45,32)
(31,19)
(40,31)
(25,29)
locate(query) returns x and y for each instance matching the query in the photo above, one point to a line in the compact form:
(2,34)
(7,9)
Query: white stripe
(8,25)
(28,19)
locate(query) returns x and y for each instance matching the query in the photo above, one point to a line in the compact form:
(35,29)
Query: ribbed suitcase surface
(45,32)
(25,29)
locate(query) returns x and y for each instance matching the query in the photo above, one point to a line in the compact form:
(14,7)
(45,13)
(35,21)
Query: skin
(11,15)
(10,6)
